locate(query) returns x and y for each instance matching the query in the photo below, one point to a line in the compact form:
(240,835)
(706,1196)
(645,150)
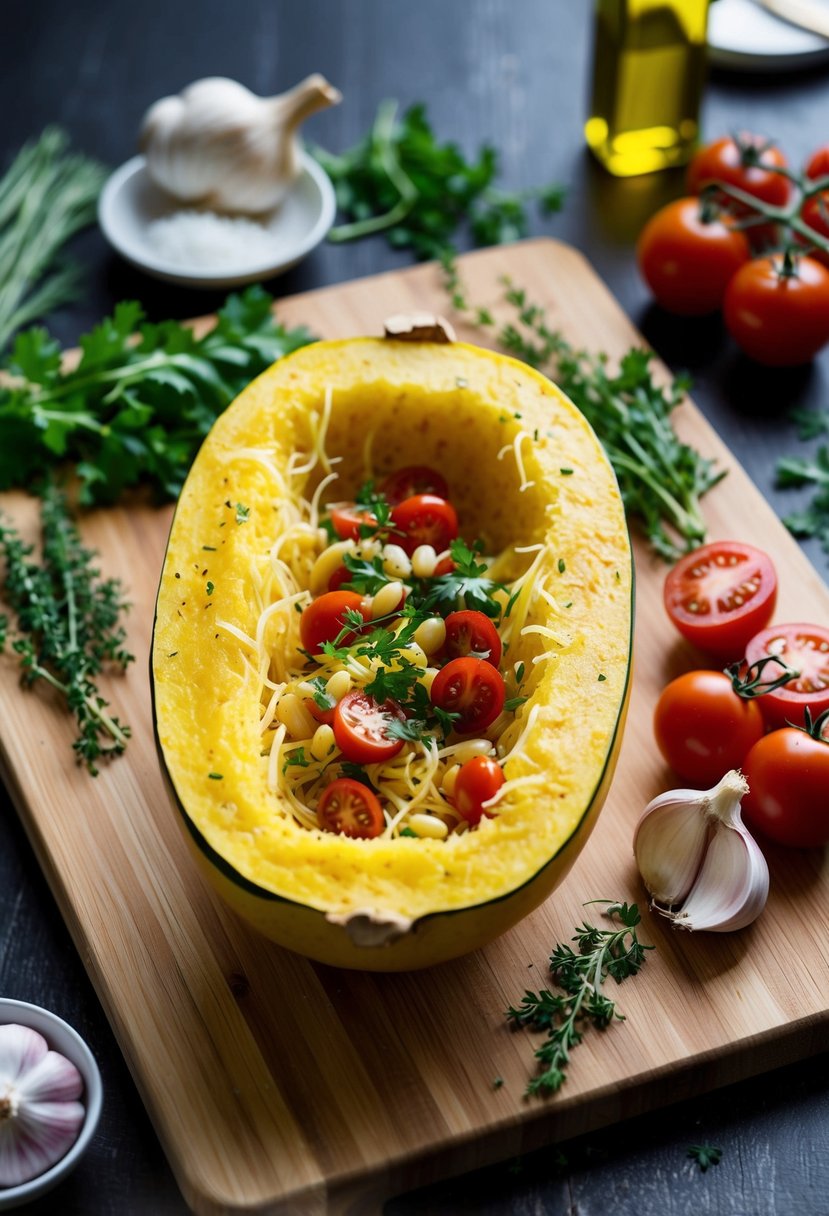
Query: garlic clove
(701,866)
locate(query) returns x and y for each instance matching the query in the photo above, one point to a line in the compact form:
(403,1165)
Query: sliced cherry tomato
(351,809)
(425,519)
(687,261)
(411,481)
(725,161)
(361,727)
(444,566)
(478,780)
(348,520)
(803,648)
(324,617)
(703,728)
(778,312)
(788,778)
(470,632)
(472,688)
(720,595)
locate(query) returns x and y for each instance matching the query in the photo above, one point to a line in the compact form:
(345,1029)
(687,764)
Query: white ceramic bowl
(130,202)
(61,1037)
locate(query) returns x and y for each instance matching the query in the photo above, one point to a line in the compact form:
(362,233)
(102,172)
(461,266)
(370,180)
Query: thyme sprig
(580,973)
(661,478)
(67,626)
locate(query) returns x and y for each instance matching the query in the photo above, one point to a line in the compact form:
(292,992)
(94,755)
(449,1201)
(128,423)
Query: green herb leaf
(705,1155)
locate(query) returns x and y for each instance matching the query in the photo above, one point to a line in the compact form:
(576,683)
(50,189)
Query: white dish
(130,202)
(743,36)
(61,1037)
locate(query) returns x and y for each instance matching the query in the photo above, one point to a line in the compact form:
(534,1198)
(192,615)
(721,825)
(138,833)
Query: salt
(203,240)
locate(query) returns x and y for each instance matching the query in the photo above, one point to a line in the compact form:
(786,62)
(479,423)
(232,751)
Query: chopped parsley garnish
(216,776)
(296,759)
(464,587)
(210,588)
(561,565)
(367,577)
(242,513)
(376,503)
(513,703)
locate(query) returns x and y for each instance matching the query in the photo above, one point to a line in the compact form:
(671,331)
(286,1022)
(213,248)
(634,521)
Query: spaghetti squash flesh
(525,471)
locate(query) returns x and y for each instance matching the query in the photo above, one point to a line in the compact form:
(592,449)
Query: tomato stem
(761,211)
(813,727)
(749,682)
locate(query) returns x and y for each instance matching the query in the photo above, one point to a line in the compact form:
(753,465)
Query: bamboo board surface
(278,1085)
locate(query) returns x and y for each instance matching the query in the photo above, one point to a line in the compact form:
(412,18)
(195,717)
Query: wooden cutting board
(279,1085)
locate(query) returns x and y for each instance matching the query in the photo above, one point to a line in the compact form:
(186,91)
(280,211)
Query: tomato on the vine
(805,649)
(788,777)
(720,595)
(425,519)
(362,726)
(471,688)
(703,728)
(777,309)
(478,781)
(747,163)
(815,211)
(324,619)
(351,809)
(411,481)
(471,632)
(687,260)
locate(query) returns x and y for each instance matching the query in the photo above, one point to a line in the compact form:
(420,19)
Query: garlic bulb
(702,868)
(218,145)
(40,1116)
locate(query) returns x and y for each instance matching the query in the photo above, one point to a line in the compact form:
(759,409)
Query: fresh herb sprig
(661,478)
(580,973)
(705,1155)
(798,471)
(67,623)
(46,195)
(399,180)
(467,586)
(139,403)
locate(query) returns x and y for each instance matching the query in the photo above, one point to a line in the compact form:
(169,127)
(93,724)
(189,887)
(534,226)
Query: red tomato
(723,161)
(325,716)
(351,809)
(478,780)
(444,566)
(324,618)
(361,728)
(470,632)
(341,575)
(788,778)
(347,521)
(776,317)
(720,595)
(703,728)
(688,262)
(815,211)
(803,648)
(425,519)
(413,480)
(472,688)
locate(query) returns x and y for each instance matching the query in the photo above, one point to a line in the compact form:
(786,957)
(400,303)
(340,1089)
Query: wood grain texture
(281,1085)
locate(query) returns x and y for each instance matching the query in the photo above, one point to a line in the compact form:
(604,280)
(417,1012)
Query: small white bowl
(130,202)
(61,1037)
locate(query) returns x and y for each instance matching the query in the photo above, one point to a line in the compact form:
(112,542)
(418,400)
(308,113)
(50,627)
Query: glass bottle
(648,73)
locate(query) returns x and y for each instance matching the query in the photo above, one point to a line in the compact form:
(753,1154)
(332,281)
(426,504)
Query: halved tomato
(472,688)
(425,519)
(361,727)
(720,595)
(470,632)
(413,480)
(351,809)
(805,649)
(324,619)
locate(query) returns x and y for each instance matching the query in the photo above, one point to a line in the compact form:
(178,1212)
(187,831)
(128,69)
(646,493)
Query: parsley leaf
(464,587)
(705,1155)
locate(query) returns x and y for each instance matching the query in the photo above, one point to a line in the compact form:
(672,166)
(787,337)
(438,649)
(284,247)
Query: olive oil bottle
(648,73)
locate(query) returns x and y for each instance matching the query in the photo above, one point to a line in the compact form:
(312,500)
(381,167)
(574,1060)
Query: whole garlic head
(218,145)
(40,1115)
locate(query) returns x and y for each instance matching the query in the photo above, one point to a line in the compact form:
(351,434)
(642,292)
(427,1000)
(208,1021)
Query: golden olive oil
(648,73)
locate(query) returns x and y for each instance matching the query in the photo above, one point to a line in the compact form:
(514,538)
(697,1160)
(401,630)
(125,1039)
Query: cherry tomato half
(411,481)
(720,595)
(788,778)
(703,728)
(724,161)
(479,780)
(777,317)
(324,618)
(361,727)
(804,648)
(687,262)
(470,632)
(348,520)
(351,809)
(472,688)
(425,519)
